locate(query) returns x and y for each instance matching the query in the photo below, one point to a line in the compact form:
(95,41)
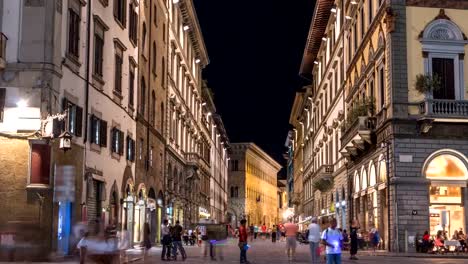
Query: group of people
(437,243)
(332,238)
(172,239)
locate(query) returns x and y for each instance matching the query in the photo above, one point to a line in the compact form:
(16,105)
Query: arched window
(153,108)
(446,167)
(142,96)
(372,175)
(443,42)
(357,182)
(364,178)
(382,169)
(154,58)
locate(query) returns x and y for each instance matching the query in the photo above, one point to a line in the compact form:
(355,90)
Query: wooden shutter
(103,133)
(2,102)
(40,164)
(133,149)
(121,142)
(92,129)
(79,121)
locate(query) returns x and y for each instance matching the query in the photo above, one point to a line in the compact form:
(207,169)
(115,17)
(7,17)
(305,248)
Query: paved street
(264,252)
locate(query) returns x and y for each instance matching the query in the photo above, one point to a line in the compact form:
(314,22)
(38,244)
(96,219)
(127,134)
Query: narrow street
(265,252)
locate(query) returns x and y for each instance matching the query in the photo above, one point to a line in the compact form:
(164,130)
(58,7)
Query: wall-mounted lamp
(175,1)
(333,10)
(197,61)
(186,28)
(316,62)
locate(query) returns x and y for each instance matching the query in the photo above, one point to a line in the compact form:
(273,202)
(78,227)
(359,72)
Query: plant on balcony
(362,107)
(427,83)
(323,184)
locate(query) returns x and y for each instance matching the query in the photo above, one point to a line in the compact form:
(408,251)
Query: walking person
(264,231)
(290,230)
(166,241)
(177,232)
(146,240)
(273,234)
(354,239)
(314,241)
(255,231)
(251,232)
(332,239)
(243,242)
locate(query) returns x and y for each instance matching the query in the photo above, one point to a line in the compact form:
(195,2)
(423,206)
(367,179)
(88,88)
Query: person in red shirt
(264,231)
(243,234)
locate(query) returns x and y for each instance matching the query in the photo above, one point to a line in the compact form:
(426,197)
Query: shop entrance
(448,175)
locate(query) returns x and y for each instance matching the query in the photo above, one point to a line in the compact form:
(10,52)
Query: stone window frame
(30,185)
(442,38)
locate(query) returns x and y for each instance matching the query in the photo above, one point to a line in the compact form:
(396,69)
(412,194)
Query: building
(289,157)
(284,211)
(252,185)
(406,166)
(65,79)
(148,188)
(195,158)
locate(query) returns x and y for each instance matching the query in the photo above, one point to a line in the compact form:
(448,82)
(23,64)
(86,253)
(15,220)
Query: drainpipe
(88,37)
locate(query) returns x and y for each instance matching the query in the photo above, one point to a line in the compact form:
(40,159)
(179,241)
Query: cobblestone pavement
(265,252)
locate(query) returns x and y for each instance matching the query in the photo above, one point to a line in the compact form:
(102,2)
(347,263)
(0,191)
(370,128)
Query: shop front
(447,173)
(203,214)
(140,216)
(128,205)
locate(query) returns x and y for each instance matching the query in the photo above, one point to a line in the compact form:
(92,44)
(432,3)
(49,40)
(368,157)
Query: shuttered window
(98,131)
(74,28)
(119,11)
(118,69)
(98,48)
(133,27)
(130,149)
(75,118)
(117,141)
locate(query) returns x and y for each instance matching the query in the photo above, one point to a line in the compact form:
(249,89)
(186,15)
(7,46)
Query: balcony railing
(363,126)
(192,158)
(3,44)
(444,108)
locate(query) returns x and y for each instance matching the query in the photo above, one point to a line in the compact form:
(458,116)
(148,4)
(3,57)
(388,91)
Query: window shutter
(103,133)
(61,125)
(92,129)
(79,121)
(116,8)
(121,142)
(133,149)
(64,104)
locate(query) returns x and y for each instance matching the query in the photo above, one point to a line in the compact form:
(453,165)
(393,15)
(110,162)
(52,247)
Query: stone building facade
(252,186)
(405,167)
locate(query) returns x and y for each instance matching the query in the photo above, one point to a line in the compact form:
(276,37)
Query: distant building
(252,186)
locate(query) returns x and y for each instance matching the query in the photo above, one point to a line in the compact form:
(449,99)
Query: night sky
(255,49)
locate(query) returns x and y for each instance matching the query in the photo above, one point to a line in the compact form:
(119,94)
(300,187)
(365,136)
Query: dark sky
(255,49)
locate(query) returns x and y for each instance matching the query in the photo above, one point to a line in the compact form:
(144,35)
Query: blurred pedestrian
(290,230)
(124,241)
(251,232)
(264,231)
(255,231)
(186,237)
(314,241)
(243,246)
(354,238)
(146,240)
(332,239)
(273,234)
(166,241)
(177,232)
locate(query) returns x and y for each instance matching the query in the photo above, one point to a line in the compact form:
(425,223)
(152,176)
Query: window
(153,108)
(355,35)
(151,157)
(363,24)
(133,29)
(154,58)
(117,141)
(131,85)
(142,96)
(371,11)
(382,87)
(119,11)
(40,163)
(234,165)
(140,149)
(444,68)
(163,72)
(162,117)
(2,102)
(130,149)
(98,48)
(155,16)
(74,10)
(164,32)
(75,117)
(98,131)
(118,69)
(143,40)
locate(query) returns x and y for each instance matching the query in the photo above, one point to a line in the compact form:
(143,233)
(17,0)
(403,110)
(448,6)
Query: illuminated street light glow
(316,62)
(186,28)
(348,17)
(333,10)
(22,103)
(197,61)
(324,38)
(354,2)
(175,1)
(203,104)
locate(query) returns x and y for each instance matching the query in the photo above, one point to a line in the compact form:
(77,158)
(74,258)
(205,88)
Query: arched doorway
(128,205)
(154,215)
(140,213)
(447,172)
(114,205)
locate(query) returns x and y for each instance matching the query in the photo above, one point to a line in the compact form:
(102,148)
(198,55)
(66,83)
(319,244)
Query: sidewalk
(383,253)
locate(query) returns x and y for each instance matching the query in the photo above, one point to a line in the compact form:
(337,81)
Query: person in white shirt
(332,238)
(166,240)
(314,240)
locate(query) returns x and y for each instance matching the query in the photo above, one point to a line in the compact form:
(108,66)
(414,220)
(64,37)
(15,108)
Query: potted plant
(362,107)
(427,83)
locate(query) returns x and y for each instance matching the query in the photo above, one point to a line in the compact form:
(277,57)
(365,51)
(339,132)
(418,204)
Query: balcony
(3,44)
(192,159)
(296,199)
(358,136)
(443,108)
